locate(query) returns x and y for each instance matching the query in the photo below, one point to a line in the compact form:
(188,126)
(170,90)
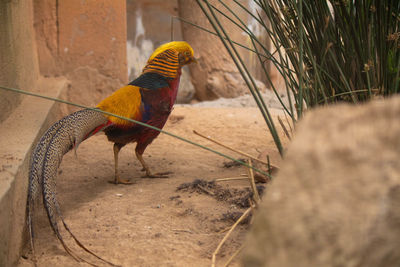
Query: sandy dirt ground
(151,223)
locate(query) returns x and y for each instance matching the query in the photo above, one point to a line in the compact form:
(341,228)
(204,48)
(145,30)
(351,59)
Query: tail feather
(35,171)
(64,135)
(35,175)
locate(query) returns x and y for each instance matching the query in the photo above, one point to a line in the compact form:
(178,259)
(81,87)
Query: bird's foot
(157,175)
(118,180)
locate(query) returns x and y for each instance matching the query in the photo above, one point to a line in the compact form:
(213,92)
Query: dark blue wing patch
(147,113)
(150,81)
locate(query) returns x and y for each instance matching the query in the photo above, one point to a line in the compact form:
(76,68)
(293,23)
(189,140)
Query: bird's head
(183,49)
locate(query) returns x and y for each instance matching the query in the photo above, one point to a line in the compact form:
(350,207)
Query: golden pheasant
(148,99)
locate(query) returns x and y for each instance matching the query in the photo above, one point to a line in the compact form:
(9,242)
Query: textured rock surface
(76,39)
(18,60)
(216,74)
(336,201)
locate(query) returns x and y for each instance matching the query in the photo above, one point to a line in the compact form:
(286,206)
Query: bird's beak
(193,60)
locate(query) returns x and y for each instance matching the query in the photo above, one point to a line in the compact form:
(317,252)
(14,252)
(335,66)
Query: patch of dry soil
(151,222)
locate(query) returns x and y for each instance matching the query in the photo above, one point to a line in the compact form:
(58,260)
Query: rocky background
(153,22)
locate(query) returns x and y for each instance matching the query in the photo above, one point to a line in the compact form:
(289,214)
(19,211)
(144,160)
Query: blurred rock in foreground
(336,200)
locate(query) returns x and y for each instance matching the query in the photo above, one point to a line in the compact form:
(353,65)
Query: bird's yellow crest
(180,46)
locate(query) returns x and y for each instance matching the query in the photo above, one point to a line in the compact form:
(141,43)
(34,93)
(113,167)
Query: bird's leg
(147,169)
(117,179)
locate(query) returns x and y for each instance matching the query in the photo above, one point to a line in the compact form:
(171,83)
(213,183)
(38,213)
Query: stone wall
(18,57)
(18,69)
(67,49)
(84,41)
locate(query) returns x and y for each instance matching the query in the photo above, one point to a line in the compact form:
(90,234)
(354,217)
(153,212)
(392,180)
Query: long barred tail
(60,138)
(35,174)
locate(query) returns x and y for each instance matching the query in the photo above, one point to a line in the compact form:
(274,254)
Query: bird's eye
(187,53)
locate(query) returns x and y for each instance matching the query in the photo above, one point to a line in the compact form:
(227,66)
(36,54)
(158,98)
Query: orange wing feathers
(125,102)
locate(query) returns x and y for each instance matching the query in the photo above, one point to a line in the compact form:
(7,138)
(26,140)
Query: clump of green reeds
(325,51)
(350,49)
